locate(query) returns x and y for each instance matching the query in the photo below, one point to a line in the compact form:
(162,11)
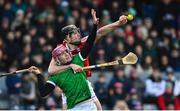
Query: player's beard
(75,43)
(76,40)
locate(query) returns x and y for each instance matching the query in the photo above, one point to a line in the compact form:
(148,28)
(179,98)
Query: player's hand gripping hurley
(129,59)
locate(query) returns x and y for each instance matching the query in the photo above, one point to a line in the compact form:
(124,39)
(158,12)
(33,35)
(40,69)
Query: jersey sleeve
(52,80)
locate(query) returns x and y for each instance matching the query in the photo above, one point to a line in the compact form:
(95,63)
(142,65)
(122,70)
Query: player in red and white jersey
(74,43)
(78,49)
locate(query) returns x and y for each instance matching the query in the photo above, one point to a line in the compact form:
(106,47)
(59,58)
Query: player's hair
(68,30)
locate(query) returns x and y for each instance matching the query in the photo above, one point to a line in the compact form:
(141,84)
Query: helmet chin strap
(67,63)
(70,60)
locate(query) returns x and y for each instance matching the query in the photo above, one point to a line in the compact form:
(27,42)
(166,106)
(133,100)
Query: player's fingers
(123,17)
(34,68)
(75,69)
(79,69)
(92,11)
(30,68)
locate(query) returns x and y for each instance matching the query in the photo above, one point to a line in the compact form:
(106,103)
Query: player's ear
(67,37)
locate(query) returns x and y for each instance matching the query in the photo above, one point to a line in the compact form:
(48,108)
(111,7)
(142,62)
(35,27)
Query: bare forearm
(54,68)
(111,27)
(106,29)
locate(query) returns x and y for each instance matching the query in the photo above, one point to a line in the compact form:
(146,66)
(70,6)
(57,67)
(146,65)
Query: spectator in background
(11,46)
(176,93)
(2,54)
(166,101)
(100,58)
(137,83)
(18,4)
(134,100)
(119,87)
(175,58)
(115,10)
(121,105)
(145,69)
(18,21)
(100,88)
(166,13)
(164,45)
(109,47)
(129,30)
(154,87)
(28,92)
(170,76)
(120,49)
(120,77)
(164,63)
(139,52)
(150,48)
(14,84)
(5,27)
(116,93)
(148,9)
(130,44)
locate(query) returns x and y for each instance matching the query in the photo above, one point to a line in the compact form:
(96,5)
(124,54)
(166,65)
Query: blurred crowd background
(30,29)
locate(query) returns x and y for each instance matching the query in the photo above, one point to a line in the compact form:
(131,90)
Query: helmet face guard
(58,51)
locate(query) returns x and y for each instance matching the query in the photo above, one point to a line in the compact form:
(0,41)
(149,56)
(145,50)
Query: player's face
(65,57)
(75,37)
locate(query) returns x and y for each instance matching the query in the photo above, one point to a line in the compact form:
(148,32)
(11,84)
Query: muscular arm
(44,88)
(110,27)
(53,68)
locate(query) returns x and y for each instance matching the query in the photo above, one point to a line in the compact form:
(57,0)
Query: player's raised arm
(110,27)
(89,44)
(54,68)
